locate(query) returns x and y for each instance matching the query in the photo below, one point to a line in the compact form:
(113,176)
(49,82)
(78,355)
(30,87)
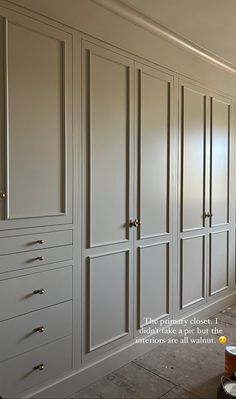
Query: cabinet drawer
(37,258)
(28,332)
(30,242)
(19,295)
(20,373)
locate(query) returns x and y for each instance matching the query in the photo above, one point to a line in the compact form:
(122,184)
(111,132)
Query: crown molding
(136,17)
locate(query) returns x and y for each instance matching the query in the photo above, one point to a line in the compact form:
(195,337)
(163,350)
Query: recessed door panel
(218,261)
(154,126)
(220,129)
(153,282)
(108,90)
(35,124)
(192,270)
(108,317)
(192,159)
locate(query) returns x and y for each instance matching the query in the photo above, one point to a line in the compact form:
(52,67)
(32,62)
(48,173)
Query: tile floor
(174,371)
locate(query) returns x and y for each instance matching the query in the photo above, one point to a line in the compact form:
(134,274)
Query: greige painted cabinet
(36,231)
(117,201)
(204,188)
(36,139)
(127,198)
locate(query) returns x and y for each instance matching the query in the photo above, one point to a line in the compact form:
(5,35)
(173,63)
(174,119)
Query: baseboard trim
(80,378)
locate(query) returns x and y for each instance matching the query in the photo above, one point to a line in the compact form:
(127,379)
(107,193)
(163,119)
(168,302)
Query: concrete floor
(170,371)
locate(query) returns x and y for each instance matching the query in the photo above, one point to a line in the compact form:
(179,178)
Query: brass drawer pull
(40,258)
(40,329)
(39,367)
(39,291)
(40,242)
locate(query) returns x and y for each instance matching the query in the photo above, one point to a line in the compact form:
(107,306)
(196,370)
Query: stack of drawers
(35,309)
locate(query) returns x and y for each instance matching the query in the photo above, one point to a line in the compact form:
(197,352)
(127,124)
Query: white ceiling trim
(139,19)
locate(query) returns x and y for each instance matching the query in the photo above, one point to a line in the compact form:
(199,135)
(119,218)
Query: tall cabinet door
(193,198)
(107,206)
(219,206)
(35,137)
(153,238)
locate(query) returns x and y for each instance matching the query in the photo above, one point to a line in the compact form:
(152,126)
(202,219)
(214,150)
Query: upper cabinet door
(38,121)
(193,157)
(107,122)
(220,109)
(154,124)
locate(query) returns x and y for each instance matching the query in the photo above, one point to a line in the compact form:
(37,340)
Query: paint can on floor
(230,360)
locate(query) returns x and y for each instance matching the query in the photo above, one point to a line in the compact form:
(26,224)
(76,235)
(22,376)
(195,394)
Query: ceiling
(209,24)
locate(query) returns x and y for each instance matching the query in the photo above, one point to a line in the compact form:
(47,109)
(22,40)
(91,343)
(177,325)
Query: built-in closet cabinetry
(116,201)
(205,195)
(36,253)
(127,134)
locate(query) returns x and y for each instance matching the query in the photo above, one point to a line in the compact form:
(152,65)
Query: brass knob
(39,367)
(2,195)
(41,242)
(40,329)
(208,215)
(135,223)
(39,291)
(40,258)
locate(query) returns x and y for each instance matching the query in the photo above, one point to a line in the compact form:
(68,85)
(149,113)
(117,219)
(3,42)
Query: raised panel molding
(154,125)
(24,199)
(219,262)
(109,308)
(220,114)
(192,270)
(153,282)
(193,163)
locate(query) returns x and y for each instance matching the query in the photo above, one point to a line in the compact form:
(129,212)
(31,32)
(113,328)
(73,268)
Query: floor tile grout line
(152,372)
(165,379)
(167,392)
(180,386)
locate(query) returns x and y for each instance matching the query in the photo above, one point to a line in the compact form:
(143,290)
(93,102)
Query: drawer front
(21,295)
(30,242)
(28,332)
(35,258)
(20,373)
